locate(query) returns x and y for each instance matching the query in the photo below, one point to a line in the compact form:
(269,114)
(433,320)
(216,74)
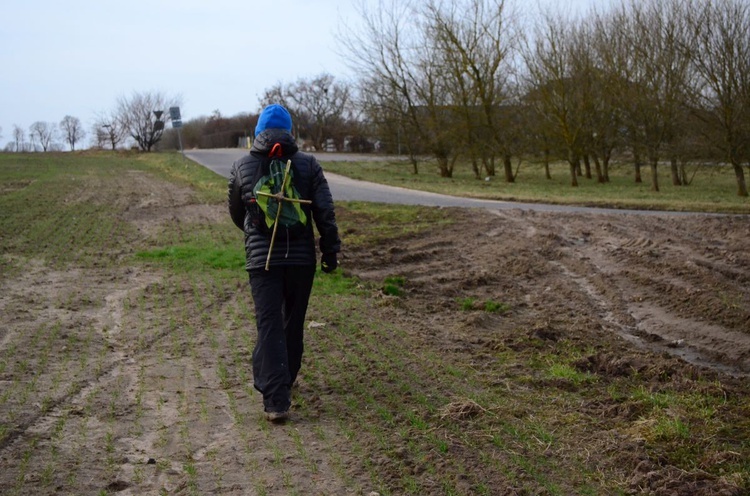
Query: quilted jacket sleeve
(323,211)
(234,199)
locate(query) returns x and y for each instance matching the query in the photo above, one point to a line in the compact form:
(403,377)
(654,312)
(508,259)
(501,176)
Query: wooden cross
(280,198)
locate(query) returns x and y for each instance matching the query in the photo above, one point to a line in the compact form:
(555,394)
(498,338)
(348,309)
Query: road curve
(346,189)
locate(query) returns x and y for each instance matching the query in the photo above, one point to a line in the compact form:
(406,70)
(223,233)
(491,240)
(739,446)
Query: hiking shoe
(277,416)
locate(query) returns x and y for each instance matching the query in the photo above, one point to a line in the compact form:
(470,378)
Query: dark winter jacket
(311,185)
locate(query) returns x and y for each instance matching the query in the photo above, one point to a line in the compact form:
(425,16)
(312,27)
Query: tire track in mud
(108,323)
(648,293)
(649,318)
(124,356)
(651,281)
(177,387)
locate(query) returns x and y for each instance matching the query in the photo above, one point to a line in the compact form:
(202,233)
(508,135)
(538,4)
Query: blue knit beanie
(274,117)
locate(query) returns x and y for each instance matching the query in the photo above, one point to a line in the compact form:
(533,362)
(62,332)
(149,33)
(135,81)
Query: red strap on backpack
(275,150)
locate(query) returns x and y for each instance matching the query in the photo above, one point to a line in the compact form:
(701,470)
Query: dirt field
(131,381)
(667,284)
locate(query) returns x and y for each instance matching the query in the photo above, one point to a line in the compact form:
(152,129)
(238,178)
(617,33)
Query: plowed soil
(679,285)
(130,381)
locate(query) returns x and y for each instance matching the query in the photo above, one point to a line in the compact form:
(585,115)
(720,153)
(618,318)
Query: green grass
(394,285)
(207,186)
(569,373)
(197,257)
(467,304)
(491,306)
(385,221)
(470,303)
(713,188)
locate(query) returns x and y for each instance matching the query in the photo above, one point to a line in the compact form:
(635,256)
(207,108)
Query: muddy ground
(664,299)
(669,284)
(113,384)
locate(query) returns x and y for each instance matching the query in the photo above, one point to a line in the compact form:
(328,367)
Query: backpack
(264,210)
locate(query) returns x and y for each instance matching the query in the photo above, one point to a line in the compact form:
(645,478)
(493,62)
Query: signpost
(174,115)
(158,127)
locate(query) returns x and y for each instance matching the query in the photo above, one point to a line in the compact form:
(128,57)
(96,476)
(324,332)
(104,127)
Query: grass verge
(713,188)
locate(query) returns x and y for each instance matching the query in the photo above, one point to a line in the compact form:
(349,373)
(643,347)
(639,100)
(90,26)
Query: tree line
(663,81)
(140,118)
(474,81)
(46,136)
(325,117)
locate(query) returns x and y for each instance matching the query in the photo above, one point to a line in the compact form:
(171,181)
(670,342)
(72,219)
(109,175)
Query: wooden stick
(278,214)
(280,196)
(273,237)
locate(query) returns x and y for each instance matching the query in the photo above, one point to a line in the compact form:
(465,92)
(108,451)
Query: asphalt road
(346,189)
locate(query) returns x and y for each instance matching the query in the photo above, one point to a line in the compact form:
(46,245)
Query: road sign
(174,114)
(176,123)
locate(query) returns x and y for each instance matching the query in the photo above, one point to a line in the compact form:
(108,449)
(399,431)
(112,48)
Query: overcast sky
(77,57)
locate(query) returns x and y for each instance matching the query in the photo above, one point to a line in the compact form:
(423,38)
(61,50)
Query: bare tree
(555,85)
(72,130)
(478,40)
(721,59)
(144,115)
(19,136)
(374,51)
(98,136)
(44,132)
(275,94)
(319,106)
(216,131)
(387,111)
(109,129)
(402,73)
(435,108)
(656,32)
(613,46)
(614,94)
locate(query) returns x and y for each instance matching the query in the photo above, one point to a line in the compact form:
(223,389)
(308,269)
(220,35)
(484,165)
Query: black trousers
(280,296)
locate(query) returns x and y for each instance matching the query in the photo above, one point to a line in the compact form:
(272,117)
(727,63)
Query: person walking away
(281,264)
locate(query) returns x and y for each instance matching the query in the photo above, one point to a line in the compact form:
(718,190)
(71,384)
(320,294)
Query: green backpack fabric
(270,181)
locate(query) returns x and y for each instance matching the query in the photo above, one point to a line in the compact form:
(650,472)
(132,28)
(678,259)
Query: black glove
(328,262)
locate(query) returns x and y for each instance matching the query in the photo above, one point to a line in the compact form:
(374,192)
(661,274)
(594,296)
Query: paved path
(346,189)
